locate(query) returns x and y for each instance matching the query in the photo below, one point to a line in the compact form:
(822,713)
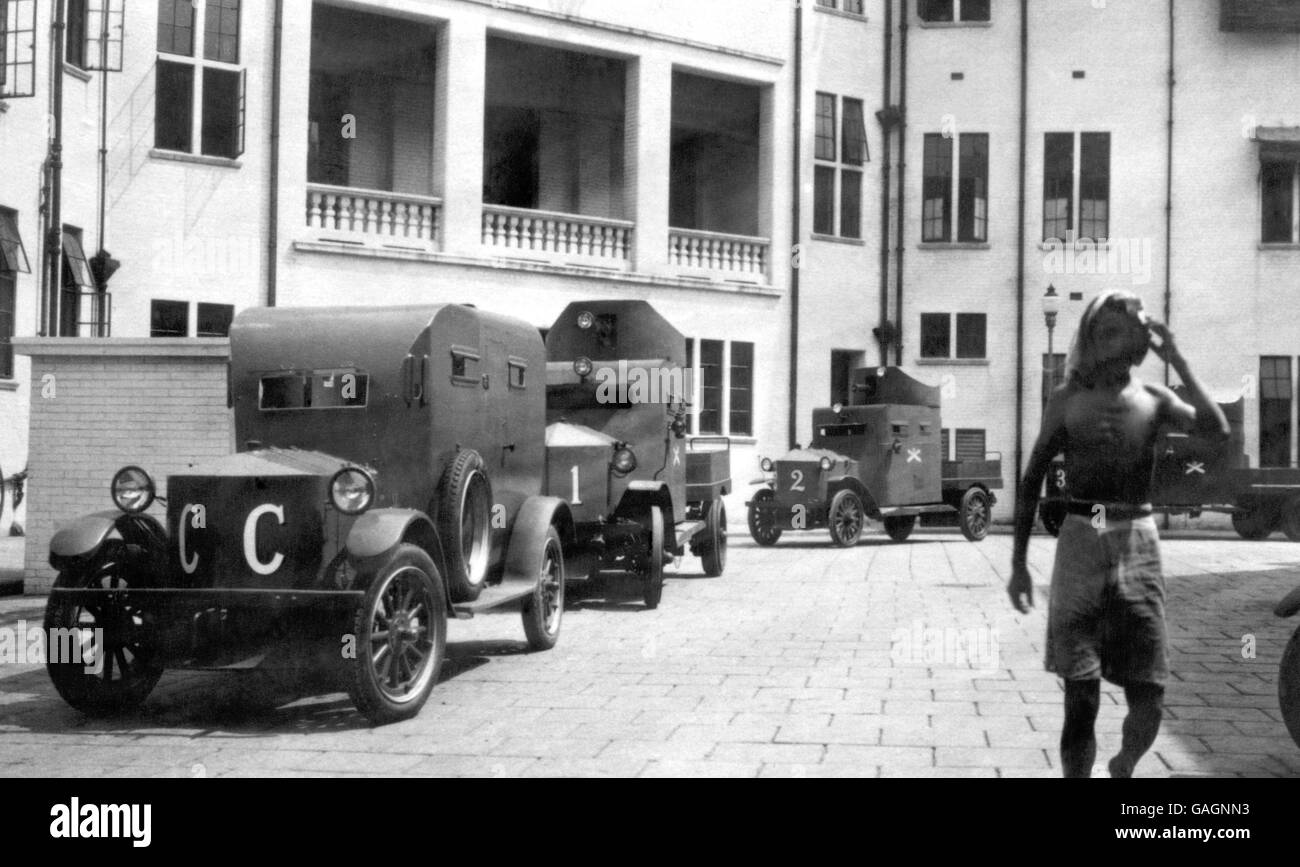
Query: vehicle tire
(543,611)
(465,525)
(1290,519)
(714,555)
(974,514)
(400,632)
(846,518)
(125,668)
(1053,516)
(1288,687)
(761,527)
(899,528)
(1255,524)
(652,567)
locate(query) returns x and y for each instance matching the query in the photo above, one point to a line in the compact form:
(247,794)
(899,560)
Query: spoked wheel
(1288,687)
(846,518)
(900,528)
(465,516)
(714,555)
(761,526)
(652,565)
(975,514)
(102,657)
(543,610)
(401,638)
(1053,516)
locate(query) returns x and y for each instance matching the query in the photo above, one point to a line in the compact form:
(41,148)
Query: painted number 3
(796,480)
(1060,478)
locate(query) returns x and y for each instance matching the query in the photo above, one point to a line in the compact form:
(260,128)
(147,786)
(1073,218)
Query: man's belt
(1114,511)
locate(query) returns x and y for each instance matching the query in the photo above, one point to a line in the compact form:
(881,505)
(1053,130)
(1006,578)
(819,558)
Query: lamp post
(1051,307)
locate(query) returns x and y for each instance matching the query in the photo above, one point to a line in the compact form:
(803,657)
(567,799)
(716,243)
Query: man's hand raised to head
(1166,350)
(1021,588)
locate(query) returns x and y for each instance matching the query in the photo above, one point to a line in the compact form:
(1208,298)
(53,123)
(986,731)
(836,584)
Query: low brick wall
(98,405)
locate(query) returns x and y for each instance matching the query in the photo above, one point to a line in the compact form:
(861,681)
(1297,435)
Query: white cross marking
(1195,467)
(914,456)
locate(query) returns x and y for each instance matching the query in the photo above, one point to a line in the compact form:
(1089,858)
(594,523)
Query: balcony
(715,253)
(373,217)
(1261,16)
(550,236)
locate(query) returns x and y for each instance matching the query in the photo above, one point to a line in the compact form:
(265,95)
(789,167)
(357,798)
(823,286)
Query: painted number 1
(576,500)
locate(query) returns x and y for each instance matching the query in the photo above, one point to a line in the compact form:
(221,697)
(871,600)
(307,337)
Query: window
(1275,411)
(972,188)
(13,257)
(853,7)
(1280,197)
(74,51)
(517,372)
(725,373)
(936,335)
(17,48)
(1061,187)
(1053,374)
(945,443)
(971,335)
(78,284)
(214,87)
(937,330)
(214,320)
(954,10)
(841,140)
(843,363)
(970,445)
(169,319)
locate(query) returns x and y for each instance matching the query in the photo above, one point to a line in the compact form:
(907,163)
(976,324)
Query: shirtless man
(1106,612)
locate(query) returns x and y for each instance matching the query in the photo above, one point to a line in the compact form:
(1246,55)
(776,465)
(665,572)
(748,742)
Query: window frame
(1288,398)
(8,322)
(155,305)
(226,310)
(18,71)
(1079,181)
(9,231)
(952,336)
(727,388)
(76,17)
(203,126)
(832,199)
(956,154)
(1293,203)
(958,14)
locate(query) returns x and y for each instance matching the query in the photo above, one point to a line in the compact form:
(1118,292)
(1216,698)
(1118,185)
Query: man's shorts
(1106,617)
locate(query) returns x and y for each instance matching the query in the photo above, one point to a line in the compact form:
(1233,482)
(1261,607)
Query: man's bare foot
(1120,767)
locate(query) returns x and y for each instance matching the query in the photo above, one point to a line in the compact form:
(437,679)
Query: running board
(687,531)
(490,598)
(906,511)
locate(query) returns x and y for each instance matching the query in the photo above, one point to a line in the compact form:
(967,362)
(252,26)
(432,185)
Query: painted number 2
(576,499)
(796,480)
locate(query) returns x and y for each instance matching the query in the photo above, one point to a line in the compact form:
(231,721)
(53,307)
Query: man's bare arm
(1050,441)
(1203,414)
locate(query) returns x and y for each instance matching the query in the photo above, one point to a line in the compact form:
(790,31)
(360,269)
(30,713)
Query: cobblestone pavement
(893,660)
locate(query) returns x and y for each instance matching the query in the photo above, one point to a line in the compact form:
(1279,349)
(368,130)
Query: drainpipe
(1169,185)
(796,228)
(53,269)
(902,172)
(886,124)
(273,217)
(1020,244)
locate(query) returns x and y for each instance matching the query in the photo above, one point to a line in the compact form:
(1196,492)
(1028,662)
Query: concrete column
(458,131)
(648,158)
(291,195)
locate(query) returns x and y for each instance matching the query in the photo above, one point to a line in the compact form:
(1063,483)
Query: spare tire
(465,525)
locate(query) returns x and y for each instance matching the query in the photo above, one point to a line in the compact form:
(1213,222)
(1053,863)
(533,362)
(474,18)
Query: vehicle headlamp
(624,460)
(826,464)
(133,491)
(766,465)
(352,490)
(586,319)
(583,367)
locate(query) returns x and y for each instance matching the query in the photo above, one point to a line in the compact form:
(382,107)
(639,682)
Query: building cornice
(122,347)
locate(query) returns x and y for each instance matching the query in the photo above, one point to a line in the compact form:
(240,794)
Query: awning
(1278,143)
(75,258)
(12,255)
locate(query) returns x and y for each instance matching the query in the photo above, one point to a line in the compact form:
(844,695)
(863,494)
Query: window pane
(8,292)
(972,188)
(945,443)
(972,329)
(935,10)
(221,31)
(855,133)
(1277,202)
(1275,411)
(169,319)
(936,188)
(824,200)
(174,107)
(742,389)
(850,204)
(1094,185)
(220,113)
(854,6)
(214,320)
(13,256)
(711,386)
(825,126)
(936,335)
(176,27)
(1058,186)
(975,10)
(74,52)
(970,445)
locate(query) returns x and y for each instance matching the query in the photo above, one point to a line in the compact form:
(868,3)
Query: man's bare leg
(1078,740)
(1141,725)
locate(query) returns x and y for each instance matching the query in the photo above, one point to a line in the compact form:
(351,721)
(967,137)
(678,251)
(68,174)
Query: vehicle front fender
(1289,605)
(82,536)
(837,483)
(535,519)
(379,531)
(640,495)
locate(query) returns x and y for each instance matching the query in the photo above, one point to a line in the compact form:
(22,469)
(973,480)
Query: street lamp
(1051,307)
